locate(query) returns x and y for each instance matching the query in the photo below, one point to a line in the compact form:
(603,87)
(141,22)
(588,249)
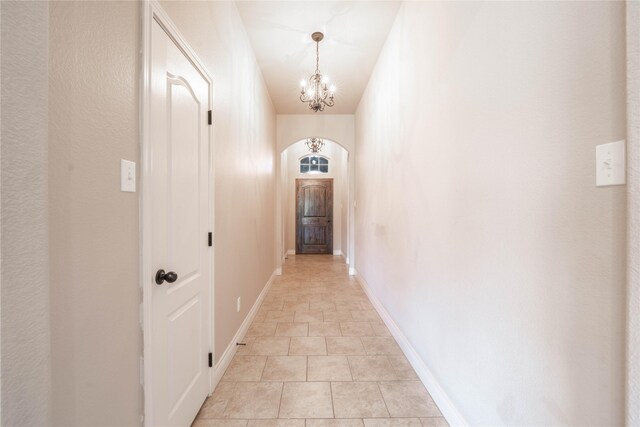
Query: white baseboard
(230,351)
(352,271)
(337,252)
(278,271)
(347,260)
(291,252)
(449,411)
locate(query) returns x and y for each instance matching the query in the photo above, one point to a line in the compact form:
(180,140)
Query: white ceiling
(280,33)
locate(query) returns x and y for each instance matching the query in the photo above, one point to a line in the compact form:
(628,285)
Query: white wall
(93,123)
(336,127)
(337,171)
(481,230)
(633,210)
(24,266)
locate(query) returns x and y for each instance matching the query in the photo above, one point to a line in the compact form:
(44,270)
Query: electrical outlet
(238,305)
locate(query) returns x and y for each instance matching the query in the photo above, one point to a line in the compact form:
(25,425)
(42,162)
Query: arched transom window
(314,164)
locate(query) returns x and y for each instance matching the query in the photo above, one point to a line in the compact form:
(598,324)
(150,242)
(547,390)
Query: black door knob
(161,277)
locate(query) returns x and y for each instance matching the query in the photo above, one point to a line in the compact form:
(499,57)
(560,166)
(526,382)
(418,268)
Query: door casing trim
(153,11)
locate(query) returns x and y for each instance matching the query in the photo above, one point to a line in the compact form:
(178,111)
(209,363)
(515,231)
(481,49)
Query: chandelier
(314,144)
(317,95)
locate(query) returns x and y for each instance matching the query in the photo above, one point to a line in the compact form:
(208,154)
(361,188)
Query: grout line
(384,400)
(280,403)
(333,408)
(350,369)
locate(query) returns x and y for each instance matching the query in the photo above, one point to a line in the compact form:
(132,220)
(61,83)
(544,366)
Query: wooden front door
(314,216)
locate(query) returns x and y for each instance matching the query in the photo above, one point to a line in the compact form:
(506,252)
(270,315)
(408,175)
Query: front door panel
(314,216)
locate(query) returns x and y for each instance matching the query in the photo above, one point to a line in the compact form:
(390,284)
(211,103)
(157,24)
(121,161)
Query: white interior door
(178,185)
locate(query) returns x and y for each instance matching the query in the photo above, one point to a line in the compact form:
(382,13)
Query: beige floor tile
(365,304)
(371,368)
(219,423)
(347,305)
(306,400)
(380,329)
(272,305)
(392,422)
(408,399)
(404,370)
(301,322)
(324,329)
(308,346)
(357,400)
(308,316)
(276,423)
(380,346)
(254,401)
(434,422)
(345,346)
(214,406)
(365,315)
(270,346)
(260,316)
(285,368)
(245,368)
(245,350)
(356,329)
(261,329)
(337,316)
(328,368)
(279,316)
(322,305)
(296,306)
(287,329)
(335,423)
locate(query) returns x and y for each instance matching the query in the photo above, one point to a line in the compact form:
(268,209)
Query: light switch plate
(610,164)
(127,176)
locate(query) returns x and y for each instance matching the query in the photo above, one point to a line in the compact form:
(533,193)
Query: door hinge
(211,360)
(210,239)
(210,117)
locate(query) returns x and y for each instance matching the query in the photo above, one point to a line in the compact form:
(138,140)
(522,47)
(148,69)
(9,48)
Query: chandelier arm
(317,95)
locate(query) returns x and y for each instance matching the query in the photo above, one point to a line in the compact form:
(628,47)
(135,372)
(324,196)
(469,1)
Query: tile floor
(318,355)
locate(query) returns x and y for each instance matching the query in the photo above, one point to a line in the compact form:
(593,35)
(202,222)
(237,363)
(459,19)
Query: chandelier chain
(317,95)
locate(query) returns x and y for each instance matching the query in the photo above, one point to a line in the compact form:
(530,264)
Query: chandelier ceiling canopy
(314,144)
(315,92)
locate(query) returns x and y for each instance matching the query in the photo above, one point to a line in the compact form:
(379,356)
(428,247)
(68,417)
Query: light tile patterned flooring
(318,355)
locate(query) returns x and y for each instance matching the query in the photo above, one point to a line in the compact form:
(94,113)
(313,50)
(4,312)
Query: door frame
(298,182)
(153,11)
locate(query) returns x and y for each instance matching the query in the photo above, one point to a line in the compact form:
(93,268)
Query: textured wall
(244,137)
(25,356)
(633,210)
(93,123)
(336,127)
(481,229)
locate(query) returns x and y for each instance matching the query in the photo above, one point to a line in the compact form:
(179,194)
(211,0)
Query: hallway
(317,350)
(482,225)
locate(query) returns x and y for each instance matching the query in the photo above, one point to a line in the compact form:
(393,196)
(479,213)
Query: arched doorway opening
(294,163)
